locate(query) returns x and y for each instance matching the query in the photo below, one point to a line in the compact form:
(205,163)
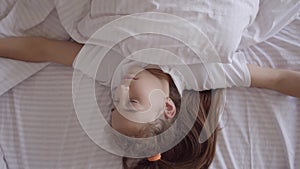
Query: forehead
(125,126)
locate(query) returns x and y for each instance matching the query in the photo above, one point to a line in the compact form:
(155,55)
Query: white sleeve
(207,76)
(100,69)
(220,75)
(3,164)
(201,76)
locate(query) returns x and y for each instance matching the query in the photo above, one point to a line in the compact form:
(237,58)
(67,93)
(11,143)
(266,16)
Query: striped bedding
(260,128)
(39,128)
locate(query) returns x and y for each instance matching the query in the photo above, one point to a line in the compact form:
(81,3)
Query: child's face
(140,98)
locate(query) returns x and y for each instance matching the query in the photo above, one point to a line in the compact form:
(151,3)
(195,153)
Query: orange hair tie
(154,158)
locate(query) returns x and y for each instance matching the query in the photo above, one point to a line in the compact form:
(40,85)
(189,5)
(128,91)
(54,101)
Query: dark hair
(189,153)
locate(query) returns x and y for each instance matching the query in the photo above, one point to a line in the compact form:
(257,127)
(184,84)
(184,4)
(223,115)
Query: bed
(39,127)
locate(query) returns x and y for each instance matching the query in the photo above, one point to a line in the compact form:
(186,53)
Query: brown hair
(189,153)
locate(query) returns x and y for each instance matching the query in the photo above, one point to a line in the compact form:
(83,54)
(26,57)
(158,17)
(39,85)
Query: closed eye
(116,100)
(133,101)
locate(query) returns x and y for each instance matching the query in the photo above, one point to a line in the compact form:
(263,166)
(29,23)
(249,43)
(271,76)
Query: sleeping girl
(133,95)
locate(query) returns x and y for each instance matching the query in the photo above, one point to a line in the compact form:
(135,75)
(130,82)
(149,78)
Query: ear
(170,109)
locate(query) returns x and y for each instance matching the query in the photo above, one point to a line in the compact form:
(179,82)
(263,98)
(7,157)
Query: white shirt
(199,77)
(211,75)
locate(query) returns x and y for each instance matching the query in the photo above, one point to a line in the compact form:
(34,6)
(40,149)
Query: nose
(122,93)
(129,76)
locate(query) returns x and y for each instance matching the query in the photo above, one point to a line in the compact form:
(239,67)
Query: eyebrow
(127,105)
(129,109)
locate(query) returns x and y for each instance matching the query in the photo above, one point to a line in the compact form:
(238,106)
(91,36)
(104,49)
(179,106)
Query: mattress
(39,127)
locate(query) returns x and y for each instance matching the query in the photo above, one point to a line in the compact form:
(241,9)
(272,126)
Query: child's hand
(36,49)
(284,81)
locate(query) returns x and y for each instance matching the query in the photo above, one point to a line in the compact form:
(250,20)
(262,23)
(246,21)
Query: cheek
(113,119)
(142,87)
(136,90)
(122,125)
(117,123)
(116,120)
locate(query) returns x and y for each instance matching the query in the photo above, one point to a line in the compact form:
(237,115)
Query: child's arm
(284,81)
(35,49)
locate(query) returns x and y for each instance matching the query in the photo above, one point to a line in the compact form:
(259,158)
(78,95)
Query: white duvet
(223,23)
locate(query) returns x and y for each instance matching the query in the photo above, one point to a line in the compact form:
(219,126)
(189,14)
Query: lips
(126,80)
(128,76)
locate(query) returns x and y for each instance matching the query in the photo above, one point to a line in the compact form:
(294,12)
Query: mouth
(129,77)
(126,82)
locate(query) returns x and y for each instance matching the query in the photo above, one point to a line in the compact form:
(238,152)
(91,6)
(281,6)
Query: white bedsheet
(261,127)
(39,129)
(17,19)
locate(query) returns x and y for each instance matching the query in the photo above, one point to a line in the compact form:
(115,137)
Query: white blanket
(273,15)
(78,19)
(62,19)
